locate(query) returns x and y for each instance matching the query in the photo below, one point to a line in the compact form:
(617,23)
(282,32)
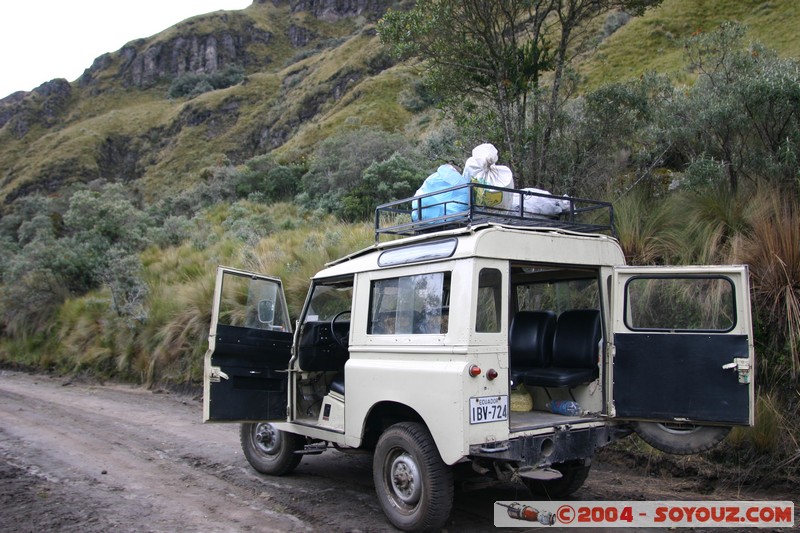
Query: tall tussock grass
(166,344)
(645,229)
(174,347)
(771,247)
(711,221)
(768,453)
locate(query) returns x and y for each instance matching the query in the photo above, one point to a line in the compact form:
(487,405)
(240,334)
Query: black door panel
(680,376)
(255,363)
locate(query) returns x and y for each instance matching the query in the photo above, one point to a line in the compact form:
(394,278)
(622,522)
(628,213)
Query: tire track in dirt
(119,457)
(90,459)
(152,454)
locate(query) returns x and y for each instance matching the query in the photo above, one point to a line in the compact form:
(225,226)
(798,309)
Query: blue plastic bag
(446,203)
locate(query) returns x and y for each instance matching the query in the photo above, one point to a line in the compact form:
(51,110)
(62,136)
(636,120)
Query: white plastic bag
(481,168)
(537,205)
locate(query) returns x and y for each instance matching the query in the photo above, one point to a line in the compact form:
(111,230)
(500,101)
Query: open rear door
(249,347)
(682,345)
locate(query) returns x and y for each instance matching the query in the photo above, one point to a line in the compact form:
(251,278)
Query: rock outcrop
(144,64)
(330,10)
(44,105)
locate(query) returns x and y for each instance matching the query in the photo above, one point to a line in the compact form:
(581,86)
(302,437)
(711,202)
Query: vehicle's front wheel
(414,485)
(681,439)
(269,450)
(573,475)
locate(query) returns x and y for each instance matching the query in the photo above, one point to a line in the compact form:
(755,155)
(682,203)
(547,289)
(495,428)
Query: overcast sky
(45,39)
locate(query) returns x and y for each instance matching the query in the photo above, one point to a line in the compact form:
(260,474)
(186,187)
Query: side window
(410,305)
(252,303)
(490,301)
(697,303)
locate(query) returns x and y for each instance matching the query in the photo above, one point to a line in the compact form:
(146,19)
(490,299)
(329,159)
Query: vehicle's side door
(249,347)
(682,345)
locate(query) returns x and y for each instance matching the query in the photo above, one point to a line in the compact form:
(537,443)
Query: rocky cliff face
(144,65)
(331,10)
(44,105)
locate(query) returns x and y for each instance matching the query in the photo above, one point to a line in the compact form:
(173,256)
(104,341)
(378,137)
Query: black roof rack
(471,204)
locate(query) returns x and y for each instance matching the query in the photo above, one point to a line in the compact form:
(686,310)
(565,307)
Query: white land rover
(416,348)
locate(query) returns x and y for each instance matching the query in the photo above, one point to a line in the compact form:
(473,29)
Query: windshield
(328,300)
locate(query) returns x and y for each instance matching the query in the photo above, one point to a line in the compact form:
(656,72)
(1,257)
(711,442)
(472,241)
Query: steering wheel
(340,340)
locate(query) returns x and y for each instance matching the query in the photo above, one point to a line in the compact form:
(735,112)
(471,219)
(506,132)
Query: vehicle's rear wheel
(414,485)
(573,475)
(269,450)
(681,439)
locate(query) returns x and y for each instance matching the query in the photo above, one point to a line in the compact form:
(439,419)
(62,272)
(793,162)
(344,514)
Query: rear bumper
(564,444)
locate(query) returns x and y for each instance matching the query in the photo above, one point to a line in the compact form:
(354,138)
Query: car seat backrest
(531,338)
(576,340)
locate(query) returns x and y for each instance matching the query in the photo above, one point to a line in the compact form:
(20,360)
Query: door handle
(215,374)
(741,365)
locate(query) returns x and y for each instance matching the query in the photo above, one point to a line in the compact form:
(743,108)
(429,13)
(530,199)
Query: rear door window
(691,303)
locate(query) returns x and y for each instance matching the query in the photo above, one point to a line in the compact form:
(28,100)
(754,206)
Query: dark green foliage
(123,276)
(106,214)
(744,109)
(337,172)
(394,178)
(219,184)
(64,251)
(738,124)
(172,231)
(270,180)
(246,224)
(33,287)
(617,129)
(418,98)
(704,173)
(339,161)
(192,84)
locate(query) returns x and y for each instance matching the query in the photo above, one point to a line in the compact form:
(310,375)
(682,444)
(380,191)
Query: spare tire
(679,438)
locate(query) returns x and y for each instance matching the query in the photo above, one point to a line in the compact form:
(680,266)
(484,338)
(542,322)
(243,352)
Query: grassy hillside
(165,142)
(654,42)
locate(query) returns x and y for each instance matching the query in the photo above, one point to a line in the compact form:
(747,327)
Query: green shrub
(68,251)
(274,182)
(192,84)
(743,110)
(336,170)
(394,178)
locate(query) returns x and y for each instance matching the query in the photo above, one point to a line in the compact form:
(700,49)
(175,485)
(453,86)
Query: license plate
(488,409)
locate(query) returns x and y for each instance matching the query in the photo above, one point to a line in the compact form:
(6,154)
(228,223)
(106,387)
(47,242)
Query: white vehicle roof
(496,241)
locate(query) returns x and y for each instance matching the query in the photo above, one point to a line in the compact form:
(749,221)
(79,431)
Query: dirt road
(90,458)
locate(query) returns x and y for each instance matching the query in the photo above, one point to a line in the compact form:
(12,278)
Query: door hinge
(215,374)
(741,365)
